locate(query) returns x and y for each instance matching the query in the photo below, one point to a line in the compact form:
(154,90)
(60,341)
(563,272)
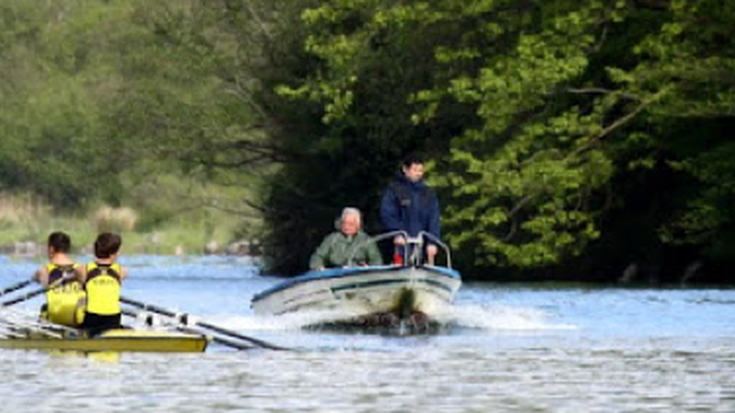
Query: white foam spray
(472,316)
(499,317)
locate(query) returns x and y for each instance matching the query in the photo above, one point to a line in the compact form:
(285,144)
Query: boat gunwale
(187,344)
(335,273)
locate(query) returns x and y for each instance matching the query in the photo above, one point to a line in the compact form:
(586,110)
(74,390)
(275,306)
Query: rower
(102,283)
(61,277)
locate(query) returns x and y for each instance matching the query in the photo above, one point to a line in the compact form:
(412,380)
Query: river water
(506,348)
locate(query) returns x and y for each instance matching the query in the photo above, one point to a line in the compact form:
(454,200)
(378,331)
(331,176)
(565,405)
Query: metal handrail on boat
(438,242)
(373,240)
(417,253)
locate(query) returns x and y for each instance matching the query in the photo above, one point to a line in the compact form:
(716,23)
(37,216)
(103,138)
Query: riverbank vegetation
(570,139)
(182,228)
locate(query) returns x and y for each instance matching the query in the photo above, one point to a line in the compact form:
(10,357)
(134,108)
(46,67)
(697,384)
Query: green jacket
(337,248)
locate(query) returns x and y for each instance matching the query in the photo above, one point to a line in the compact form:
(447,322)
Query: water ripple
(522,349)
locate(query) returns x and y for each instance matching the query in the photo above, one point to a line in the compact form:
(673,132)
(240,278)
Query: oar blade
(239,336)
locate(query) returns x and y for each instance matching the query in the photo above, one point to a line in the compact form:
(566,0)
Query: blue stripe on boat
(383,282)
(366,284)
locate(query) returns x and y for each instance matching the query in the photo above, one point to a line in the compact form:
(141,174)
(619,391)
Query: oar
(18,286)
(28,296)
(224,341)
(25,324)
(184,319)
(26,328)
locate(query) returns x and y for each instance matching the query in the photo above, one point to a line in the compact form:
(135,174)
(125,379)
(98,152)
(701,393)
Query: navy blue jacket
(411,207)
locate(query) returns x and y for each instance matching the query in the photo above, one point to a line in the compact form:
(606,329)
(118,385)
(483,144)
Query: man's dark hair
(59,241)
(411,159)
(107,244)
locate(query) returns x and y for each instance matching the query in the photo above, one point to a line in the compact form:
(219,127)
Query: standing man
(410,205)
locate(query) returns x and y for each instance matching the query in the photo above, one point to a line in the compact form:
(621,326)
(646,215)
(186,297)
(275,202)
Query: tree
(543,107)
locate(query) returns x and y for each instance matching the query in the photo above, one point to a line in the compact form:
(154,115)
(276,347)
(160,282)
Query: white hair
(352,211)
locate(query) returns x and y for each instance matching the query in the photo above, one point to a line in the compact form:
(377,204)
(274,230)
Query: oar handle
(28,296)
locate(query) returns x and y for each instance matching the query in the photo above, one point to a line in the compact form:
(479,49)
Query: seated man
(61,277)
(102,282)
(339,246)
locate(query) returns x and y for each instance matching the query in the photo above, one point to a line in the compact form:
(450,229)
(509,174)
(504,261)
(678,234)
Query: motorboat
(385,294)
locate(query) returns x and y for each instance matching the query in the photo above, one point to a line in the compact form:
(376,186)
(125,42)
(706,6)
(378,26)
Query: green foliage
(98,99)
(476,56)
(549,125)
(534,112)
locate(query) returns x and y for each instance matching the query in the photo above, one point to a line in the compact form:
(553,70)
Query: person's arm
(434,218)
(432,227)
(320,257)
(80,273)
(123,273)
(85,271)
(373,254)
(390,214)
(41,275)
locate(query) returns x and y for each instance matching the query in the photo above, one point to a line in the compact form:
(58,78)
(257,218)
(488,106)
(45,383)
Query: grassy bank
(165,229)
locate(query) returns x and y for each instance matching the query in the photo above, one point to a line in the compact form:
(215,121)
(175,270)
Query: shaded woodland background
(584,140)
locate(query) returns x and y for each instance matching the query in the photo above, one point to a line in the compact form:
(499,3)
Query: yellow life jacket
(64,299)
(103,289)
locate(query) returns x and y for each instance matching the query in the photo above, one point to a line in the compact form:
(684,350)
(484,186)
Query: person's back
(61,277)
(102,283)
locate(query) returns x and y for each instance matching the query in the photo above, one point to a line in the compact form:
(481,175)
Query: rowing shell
(122,340)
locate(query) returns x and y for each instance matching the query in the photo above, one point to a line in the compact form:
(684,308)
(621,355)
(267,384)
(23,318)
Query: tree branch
(621,122)
(594,140)
(654,4)
(513,229)
(603,91)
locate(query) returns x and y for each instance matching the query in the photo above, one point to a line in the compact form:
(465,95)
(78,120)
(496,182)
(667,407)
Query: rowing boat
(184,333)
(118,340)
(162,330)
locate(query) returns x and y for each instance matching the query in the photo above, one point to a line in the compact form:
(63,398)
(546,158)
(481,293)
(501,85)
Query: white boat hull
(356,292)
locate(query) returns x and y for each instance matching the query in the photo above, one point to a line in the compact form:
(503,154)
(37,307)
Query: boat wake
(500,318)
(497,318)
(288,321)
